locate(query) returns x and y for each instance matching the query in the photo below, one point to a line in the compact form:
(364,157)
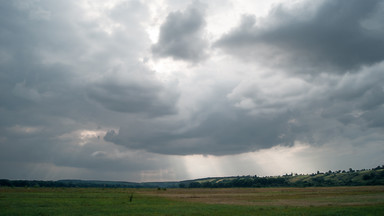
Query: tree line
(65,183)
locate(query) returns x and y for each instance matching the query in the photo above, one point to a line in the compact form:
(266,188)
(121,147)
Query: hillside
(351,177)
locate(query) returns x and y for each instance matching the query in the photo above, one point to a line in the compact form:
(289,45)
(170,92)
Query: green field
(367,200)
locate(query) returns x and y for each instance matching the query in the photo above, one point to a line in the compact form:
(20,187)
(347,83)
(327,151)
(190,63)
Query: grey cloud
(241,132)
(218,130)
(349,109)
(334,37)
(262,113)
(143,95)
(52,63)
(356,98)
(63,75)
(55,66)
(67,159)
(181,35)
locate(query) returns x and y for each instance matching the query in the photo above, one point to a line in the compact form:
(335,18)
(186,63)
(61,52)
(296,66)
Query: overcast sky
(158,90)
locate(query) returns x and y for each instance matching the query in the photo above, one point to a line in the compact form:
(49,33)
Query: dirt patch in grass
(319,196)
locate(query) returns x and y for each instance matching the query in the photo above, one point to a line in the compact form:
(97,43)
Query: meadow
(363,200)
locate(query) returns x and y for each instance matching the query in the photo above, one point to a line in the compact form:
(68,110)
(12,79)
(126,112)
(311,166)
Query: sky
(165,90)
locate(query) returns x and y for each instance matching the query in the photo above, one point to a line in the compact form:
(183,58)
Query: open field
(325,196)
(367,200)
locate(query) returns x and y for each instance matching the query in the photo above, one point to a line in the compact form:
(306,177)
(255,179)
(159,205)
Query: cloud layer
(87,92)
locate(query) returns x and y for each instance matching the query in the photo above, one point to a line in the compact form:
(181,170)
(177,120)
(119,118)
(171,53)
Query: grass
(230,201)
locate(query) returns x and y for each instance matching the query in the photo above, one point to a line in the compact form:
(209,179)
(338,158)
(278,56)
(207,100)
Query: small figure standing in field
(131,197)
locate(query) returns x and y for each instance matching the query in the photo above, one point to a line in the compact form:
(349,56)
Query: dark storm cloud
(335,36)
(216,129)
(181,35)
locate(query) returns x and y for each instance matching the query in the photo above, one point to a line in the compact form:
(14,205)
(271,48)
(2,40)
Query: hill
(351,177)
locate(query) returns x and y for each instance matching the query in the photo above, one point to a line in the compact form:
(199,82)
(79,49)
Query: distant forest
(349,177)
